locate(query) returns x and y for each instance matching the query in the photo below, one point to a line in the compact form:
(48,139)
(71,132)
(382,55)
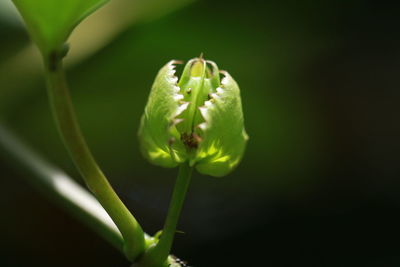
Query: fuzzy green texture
(50,22)
(198,119)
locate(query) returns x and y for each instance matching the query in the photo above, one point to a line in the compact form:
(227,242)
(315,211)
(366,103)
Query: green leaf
(158,136)
(50,22)
(224,137)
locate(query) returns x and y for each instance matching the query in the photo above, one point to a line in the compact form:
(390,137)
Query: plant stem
(94,178)
(157,256)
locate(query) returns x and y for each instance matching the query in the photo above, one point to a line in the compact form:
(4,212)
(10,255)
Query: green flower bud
(197,119)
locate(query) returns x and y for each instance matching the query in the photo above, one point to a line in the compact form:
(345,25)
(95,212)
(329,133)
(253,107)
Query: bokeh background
(319,183)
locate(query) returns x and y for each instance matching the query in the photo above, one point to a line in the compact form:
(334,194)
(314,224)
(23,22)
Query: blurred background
(319,183)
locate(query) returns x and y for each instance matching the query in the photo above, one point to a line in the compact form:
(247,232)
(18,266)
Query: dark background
(319,183)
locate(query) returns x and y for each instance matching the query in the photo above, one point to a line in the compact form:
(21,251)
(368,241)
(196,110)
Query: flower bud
(197,118)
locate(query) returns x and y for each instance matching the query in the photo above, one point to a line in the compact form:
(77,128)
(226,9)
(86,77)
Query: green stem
(158,255)
(94,178)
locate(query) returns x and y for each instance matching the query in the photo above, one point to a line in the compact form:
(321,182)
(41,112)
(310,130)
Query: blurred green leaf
(51,22)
